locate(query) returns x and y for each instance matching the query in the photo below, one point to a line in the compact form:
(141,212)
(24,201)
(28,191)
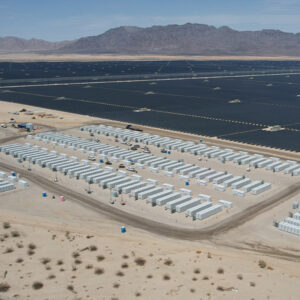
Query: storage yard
(169,181)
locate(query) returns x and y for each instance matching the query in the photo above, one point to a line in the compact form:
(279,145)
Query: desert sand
(62,250)
(30,57)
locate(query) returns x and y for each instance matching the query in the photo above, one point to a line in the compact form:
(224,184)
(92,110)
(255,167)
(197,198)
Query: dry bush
(19,260)
(192,290)
(124,265)
(198,251)
(6,225)
(8,250)
(197,271)
(99,271)
(45,260)
(30,252)
(120,273)
(70,288)
(262,263)
(240,276)
(37,285)
(75,254)
(61,269)
(138,294)
(48,267)
(51,276)
(220,271)
(100,257)
(77,261)
(168,262)
(149,276)
(89,266)
(252,284)
(194,278)
(32,246)
(205,277)
(125,256)
(116,285)
(166,277)
(15,233)
(4,287)
(220,288)
(60,262)
(20,245)
(270,268)
(93,248)
(140,261)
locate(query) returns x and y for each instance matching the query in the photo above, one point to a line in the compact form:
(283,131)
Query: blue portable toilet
(44,194)
(123,229)
(201,140)
(187,183)
(13,174)
(100,160)
(169,152)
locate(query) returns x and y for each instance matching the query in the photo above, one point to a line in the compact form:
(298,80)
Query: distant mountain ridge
(15,44)
(187,39)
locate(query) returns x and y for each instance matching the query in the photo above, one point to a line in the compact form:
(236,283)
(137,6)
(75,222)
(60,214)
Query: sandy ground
(173,269)
(28,57)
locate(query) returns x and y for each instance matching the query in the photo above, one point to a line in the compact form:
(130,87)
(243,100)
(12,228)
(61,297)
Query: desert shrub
(77,261)
(32,246)
(70,287)
(48,267)
(149,276)
(6,225)
(192,290)
(89,266)
(116,285)
(252,284)
(166,277)
(262,263)
(30,252)
(9,250)
(194,278)
(100,257)
(240,276)
(75,254)
(209,255)
(60,262)
(37,285)
(93,248)
(140,261)
(120,273)
(138,294)
(20,245)
(220,288)
(124,265)
(220,271)
(51,276)
(205,277)
(4,287)
(99,271)
(45,260)
(168,262)
(19,260)
(15,233)
(125,256)
(197,271)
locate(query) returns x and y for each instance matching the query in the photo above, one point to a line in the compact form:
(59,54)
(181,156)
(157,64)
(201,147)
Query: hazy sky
(70,19)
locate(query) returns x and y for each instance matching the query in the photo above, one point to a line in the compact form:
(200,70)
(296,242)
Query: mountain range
(187,39)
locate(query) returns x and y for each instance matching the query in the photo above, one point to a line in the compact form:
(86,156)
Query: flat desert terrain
(30,57)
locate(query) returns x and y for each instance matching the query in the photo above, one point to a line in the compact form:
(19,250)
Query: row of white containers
(241,157)
(291,224)
(171,167)
(119,182)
